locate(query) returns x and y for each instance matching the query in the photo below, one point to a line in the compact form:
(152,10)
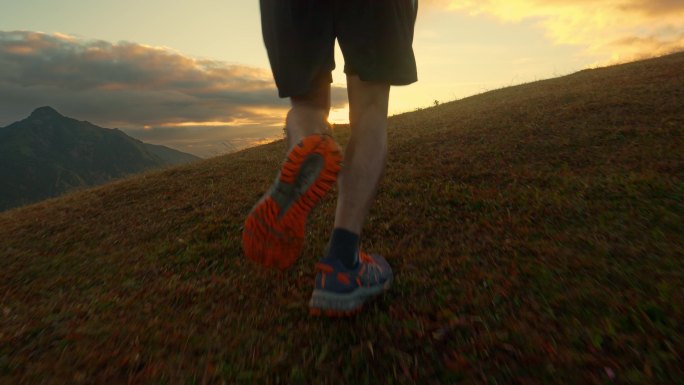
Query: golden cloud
(129,84)
(616,30)
(156,94)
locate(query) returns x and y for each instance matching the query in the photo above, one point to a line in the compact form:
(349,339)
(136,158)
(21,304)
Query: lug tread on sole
(271,241)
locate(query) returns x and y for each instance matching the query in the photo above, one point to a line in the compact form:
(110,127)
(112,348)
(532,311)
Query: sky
(194,75)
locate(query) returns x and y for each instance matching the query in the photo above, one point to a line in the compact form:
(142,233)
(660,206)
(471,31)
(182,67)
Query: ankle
(344,247)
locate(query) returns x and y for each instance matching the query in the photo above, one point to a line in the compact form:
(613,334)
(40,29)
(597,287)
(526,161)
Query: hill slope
(535,232)
(47,154)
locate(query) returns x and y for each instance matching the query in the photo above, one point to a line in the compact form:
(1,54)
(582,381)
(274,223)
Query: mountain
(536,235)
(47,154)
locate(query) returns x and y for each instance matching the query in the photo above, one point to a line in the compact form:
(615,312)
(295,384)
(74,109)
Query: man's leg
(347,277)
(308,114)
(364,165)
(274,231)
(366,152)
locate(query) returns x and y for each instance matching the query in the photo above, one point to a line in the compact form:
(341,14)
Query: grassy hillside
(535,233)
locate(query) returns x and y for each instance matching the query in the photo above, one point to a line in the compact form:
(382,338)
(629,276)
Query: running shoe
(273,234)
(341,292)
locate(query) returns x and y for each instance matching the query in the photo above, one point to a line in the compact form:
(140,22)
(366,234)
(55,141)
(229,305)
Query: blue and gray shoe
(341,292)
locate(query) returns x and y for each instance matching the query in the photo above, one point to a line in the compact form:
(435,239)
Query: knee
(368,99)
(371,115)
(318,98)
(306,102)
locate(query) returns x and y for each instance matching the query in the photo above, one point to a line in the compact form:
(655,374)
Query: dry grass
(535,232)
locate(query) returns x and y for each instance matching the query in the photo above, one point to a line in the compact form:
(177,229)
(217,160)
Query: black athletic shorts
(375,36)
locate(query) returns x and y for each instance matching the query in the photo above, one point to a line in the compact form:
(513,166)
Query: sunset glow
(339,115)
(205,65)
(232,123)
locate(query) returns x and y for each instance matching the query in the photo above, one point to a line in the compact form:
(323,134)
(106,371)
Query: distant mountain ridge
(48,154)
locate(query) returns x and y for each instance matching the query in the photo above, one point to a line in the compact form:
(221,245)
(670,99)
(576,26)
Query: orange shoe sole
(273,236)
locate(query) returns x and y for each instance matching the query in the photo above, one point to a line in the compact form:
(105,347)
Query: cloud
(131,85)
(615,30)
